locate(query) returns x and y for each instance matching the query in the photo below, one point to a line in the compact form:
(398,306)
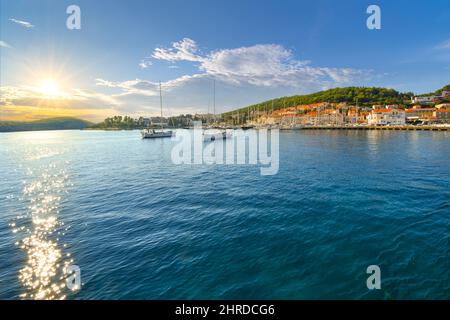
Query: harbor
(391,128)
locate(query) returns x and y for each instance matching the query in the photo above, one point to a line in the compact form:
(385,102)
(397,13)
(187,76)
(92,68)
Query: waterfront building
(356,116)
(386,116)
(419,114)
(323,117)
(442,114)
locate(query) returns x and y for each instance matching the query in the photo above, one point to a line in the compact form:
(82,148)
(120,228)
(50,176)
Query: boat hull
(155,135)
(218,136)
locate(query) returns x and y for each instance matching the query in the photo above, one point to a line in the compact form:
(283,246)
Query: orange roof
(384,110)
(381,110)
(419,109)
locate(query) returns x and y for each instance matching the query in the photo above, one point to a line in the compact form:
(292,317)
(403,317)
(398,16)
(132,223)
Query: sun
(49,88)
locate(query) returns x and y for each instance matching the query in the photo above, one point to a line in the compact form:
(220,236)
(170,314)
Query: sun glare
(49,88)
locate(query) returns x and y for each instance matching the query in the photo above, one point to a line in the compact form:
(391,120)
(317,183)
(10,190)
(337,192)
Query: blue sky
(255,50)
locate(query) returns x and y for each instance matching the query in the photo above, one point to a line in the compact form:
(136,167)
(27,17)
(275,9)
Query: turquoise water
(140,227)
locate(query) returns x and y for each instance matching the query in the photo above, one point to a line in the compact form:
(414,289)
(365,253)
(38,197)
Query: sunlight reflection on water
(40,230)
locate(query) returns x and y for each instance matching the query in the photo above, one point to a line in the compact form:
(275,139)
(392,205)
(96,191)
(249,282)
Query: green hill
(363,96)
(63,123)
(437,92)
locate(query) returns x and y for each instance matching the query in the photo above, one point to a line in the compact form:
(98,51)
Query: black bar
(222,309)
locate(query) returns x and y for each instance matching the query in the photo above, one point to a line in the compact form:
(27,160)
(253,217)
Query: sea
(115,213)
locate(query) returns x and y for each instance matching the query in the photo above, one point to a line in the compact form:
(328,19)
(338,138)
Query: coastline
(391,128)
(385,128)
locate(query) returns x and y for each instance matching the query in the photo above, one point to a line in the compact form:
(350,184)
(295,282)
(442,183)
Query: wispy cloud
(243,76)
(137,86)
(22,23)
(74,98)
(443,45)
(3,44)
(185,49)
(259,65)
(145,63)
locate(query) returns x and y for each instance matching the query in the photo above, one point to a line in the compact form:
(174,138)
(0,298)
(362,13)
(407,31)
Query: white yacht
(218,133)
(152,133)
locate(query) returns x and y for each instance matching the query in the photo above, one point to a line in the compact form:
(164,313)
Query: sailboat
(152,133)
(220,134)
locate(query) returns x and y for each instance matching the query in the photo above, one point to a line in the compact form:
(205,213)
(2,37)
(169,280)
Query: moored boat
(220,135)
(151,133)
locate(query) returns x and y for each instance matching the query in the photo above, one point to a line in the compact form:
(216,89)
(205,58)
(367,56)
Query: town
(426,110)
(431,111)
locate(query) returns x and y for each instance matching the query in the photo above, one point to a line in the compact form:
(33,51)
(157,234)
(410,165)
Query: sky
(252,50)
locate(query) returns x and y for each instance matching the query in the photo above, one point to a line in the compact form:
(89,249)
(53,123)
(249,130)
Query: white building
(427,99)
(386,116)
(430,99)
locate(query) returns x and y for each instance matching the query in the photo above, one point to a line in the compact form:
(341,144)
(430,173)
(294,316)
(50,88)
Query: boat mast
(160,103)
(214,99)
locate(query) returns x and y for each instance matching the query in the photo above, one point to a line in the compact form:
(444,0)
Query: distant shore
(361,128)
(392,128)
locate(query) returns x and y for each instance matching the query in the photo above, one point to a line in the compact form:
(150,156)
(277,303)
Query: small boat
(220,135)
(215,131)
(151,133)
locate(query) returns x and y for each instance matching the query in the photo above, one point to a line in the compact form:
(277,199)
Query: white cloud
(185,49)
(149,88)
(22,23)
(94,99)
(259,65)
(256,65)
(243,76)
(3,44)
(137,86)
(145,63)
(444,45)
